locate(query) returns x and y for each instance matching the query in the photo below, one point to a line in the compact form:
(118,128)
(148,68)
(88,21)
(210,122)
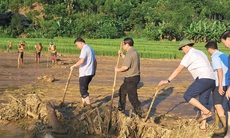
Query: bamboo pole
(113,89)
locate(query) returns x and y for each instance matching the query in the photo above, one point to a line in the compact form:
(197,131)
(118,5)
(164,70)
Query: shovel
(66,86)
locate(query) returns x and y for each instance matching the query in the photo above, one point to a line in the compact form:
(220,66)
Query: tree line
(149,19)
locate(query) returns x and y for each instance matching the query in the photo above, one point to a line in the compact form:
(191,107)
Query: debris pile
(48,119)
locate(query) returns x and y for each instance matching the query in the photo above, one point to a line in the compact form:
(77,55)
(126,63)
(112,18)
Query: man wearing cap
(199,66)
(21,46)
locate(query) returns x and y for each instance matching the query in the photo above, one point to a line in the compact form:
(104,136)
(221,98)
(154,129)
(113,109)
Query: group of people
(130,68)
(38,48)
(209,78)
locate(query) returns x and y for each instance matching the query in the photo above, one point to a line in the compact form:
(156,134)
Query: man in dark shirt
(131,72)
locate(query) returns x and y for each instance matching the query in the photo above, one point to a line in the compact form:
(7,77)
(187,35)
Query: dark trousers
(217,98)
(84,85)
(202,88)
(129,87)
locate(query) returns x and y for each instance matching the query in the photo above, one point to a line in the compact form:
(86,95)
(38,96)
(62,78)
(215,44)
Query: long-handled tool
(153,99)
(66,86)
(114,84)
(47,57)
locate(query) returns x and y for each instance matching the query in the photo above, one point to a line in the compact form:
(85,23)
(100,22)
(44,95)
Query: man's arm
(80,61)
(220,80)
(95,66)
(123,68)
(172,76)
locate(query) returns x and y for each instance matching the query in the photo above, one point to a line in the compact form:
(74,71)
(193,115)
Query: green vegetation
(99,19)
(109,47)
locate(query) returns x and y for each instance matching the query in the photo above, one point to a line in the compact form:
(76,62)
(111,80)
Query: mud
(48,83)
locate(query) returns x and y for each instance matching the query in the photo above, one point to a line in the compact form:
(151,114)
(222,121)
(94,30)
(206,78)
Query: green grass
(109,47)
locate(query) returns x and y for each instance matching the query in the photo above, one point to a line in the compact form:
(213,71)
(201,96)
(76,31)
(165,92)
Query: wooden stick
(47,57)
(99,120)
(16,99)
(114,84)
(66,86)
(153,99)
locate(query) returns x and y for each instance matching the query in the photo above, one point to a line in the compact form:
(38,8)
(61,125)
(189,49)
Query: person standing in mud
(10,45)
(21,46)
(204,80)
(53,50)
(38,48)
(225,39)
(220,68)
(131,72)
(87,64)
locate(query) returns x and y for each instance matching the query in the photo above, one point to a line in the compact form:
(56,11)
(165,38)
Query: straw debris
(95,121)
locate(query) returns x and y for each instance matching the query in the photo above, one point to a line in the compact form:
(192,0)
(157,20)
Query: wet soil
(29,79)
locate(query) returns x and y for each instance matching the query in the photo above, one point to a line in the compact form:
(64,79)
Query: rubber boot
(83,102)
(224,126)
(217,121)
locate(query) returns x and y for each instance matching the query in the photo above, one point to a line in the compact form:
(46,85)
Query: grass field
(109,47)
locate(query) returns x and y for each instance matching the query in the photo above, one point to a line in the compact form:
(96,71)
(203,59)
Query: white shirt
(87,68)
(198,64)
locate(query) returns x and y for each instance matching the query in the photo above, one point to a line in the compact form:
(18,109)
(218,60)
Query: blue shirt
(220,61)
(87,68)
(229,70)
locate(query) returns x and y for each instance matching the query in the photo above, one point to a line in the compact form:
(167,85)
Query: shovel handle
(66,86)
(114,84)
(153,99)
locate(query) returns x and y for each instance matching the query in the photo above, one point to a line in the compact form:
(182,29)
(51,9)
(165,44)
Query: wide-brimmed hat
(185,42)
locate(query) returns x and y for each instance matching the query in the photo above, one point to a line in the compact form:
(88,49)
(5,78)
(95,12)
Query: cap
(184,42)
(22,41)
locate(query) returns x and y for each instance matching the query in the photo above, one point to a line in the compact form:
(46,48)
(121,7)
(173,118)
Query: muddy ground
(48,82)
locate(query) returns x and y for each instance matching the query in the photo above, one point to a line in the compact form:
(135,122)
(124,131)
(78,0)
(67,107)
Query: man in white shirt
(87,69)
(204,81)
